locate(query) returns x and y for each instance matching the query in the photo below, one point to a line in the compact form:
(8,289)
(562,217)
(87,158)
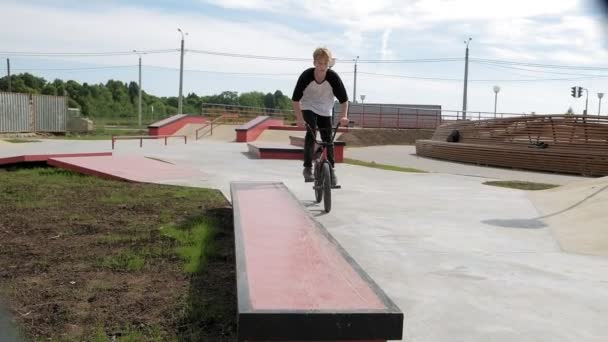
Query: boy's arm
(340,93)
(297,109)
(344,113)
(298,92)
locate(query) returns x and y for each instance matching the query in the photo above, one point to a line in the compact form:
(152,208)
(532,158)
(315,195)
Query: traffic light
(573,92)
(580,91)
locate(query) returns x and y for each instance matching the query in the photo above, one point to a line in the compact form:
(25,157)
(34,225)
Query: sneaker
(308,177)
(334,178)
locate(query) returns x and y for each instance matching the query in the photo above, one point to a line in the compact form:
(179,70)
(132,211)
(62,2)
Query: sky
(409,51)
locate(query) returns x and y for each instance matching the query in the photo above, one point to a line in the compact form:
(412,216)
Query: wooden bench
(556,143)
(294,281)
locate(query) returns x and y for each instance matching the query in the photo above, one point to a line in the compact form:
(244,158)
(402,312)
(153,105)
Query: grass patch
(195,242)
(125,261)
(381,166)
(121,261)
(20,141)
(521,185)
(102,134)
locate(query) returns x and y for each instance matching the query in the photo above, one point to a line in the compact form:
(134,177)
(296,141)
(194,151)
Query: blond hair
(322,52)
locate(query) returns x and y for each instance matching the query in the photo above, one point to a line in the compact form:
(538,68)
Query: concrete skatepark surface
(464,261)
(405,155)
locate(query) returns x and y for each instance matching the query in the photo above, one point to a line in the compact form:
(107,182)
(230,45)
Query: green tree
(252,99)
(269,101)
(133,91)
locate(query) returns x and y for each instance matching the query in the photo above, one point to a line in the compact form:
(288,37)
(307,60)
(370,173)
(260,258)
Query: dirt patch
(372,137)
(88,259)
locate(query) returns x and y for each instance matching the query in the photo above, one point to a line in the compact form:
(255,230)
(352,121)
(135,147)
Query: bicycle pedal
(336,187)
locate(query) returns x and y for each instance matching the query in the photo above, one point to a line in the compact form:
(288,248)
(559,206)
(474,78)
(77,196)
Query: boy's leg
(309,142)
(325,129)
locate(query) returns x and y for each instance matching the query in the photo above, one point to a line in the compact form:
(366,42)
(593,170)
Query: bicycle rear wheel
(326,175)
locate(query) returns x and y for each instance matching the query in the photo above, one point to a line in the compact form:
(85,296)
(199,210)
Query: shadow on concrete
(536,222)
(533,223)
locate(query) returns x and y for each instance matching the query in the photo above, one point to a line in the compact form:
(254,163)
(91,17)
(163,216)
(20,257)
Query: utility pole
(139,102)
(466,78)
(355,83)
(8,70)
(181,74)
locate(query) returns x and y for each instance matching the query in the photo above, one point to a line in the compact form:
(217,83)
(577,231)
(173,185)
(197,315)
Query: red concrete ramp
(128,168)
(29,158)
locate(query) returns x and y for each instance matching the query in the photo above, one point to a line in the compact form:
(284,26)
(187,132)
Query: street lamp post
(466,78)
(355,82)
(362,98)
(599,108)
(496,90)
(181,73)
(139,86)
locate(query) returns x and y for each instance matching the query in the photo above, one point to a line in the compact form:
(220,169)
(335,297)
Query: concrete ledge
(252,129)
(296,128)
(173,124)
(294,281)
(288,152)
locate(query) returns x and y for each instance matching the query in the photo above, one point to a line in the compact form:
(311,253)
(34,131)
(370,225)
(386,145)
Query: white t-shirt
(319,97)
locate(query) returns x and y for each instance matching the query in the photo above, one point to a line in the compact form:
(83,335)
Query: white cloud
(385,51)
(552,32)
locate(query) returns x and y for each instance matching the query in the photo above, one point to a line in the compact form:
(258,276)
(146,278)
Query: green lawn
(381,166)
(521,185)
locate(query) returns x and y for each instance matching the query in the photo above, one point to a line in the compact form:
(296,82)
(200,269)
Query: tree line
(117,99)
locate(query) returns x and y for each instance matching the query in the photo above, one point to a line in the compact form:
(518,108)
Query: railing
(222,119)
(142,137)
(214,109)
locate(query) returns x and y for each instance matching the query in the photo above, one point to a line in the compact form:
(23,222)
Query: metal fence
(14,113)
(376,115)
(50,113)
(32,113)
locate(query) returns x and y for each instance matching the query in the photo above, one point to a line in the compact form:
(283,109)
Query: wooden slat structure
(573,144)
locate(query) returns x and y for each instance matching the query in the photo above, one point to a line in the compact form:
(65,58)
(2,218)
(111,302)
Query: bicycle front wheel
(326,174)
(318,185)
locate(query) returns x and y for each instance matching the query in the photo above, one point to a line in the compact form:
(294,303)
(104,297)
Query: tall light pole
(599,108)
(139,101)
(362,98)
(496,90)
(181,73)
(355,83)
(466,78)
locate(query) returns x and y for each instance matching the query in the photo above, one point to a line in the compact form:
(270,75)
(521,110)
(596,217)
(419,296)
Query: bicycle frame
(321,146)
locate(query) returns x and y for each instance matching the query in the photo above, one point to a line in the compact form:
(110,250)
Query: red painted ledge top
(288,261)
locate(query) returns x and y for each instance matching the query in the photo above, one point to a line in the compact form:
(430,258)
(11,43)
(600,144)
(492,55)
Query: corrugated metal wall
(43,114)
(14,113)
(51,113)
(377,115)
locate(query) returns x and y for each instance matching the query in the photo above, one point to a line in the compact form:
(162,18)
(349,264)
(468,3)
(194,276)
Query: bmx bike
(322,169)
